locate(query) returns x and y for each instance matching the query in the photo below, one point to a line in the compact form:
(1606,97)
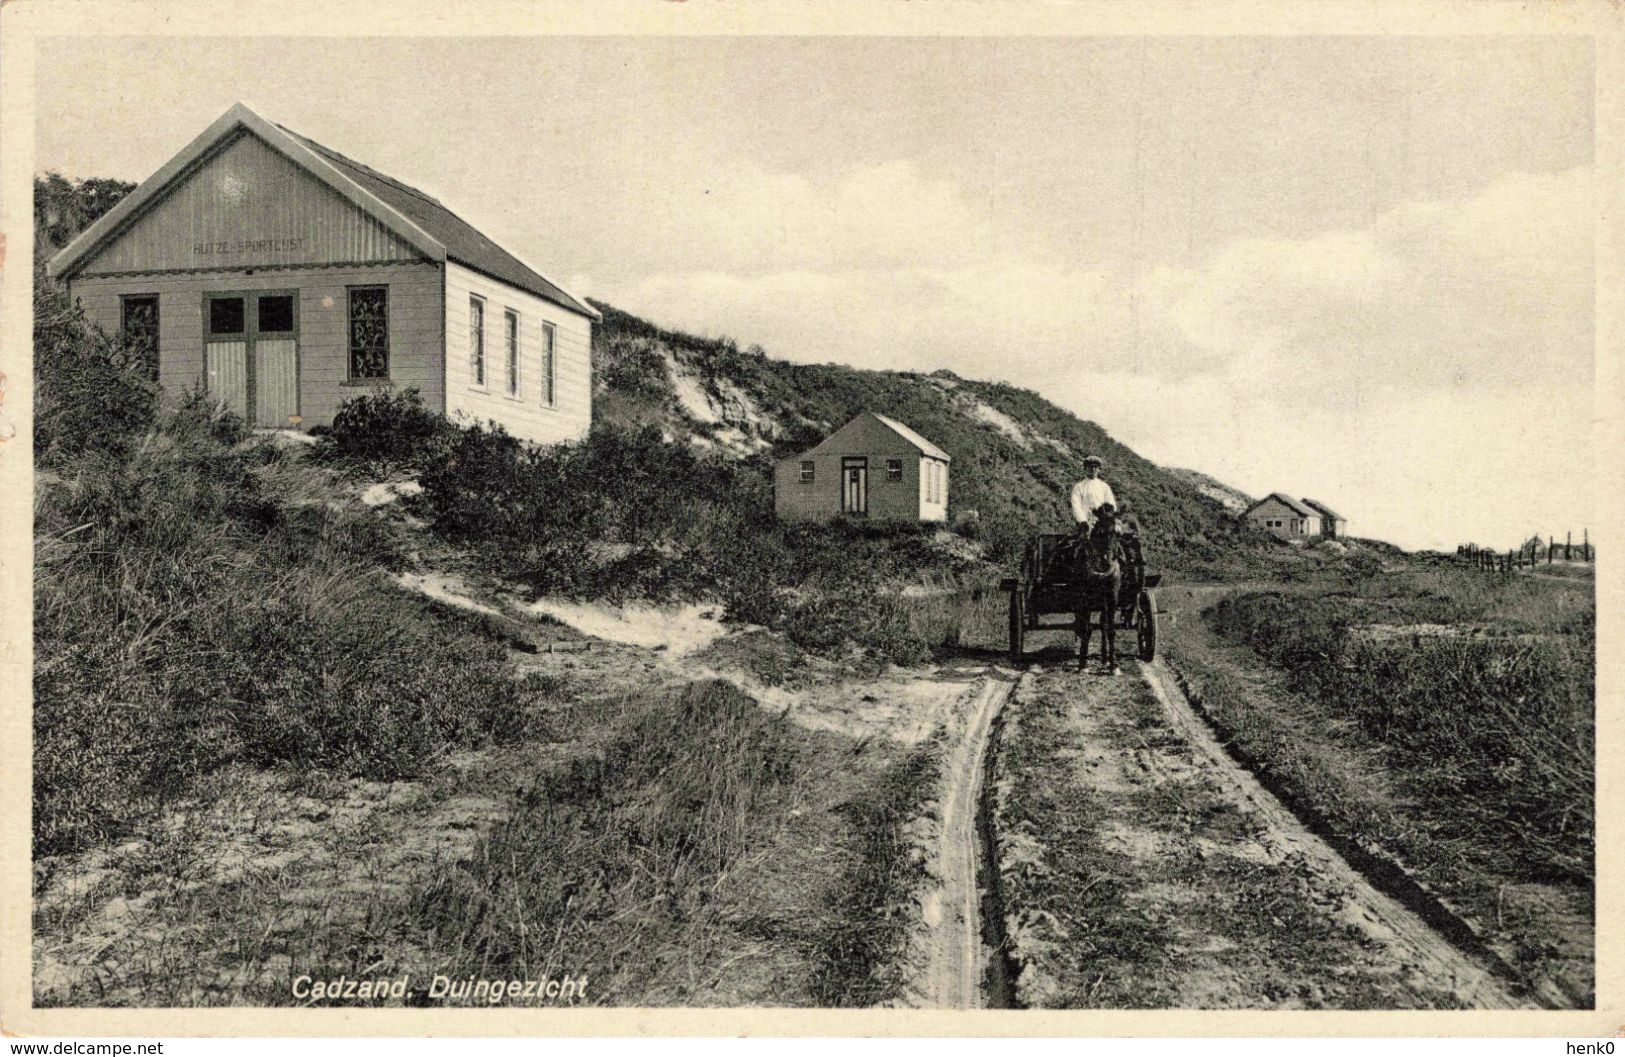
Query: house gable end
(872,433)
(246,206)
(344,221)
(1269,507)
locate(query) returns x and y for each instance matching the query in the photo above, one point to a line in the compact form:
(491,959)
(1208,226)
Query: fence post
(1585,545)
(1548,550)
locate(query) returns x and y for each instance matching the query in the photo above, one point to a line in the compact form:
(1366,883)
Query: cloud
(1405,363)
(751,222)
(1465,295)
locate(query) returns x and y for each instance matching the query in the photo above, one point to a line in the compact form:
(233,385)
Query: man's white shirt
(1088,494)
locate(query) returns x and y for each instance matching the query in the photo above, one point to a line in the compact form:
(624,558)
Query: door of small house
(855,486)
(251,355)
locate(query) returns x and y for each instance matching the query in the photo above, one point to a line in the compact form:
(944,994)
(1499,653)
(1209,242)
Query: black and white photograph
(542,519)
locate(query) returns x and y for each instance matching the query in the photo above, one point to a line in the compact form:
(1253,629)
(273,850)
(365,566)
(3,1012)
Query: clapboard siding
(247,206)
(416,327)
(526,416)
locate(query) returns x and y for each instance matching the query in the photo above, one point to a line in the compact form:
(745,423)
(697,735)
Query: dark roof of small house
(1285,500)
(464,243)
(1323,510)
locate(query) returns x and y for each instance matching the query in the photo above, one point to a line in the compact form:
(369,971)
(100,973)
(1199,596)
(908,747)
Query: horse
(1094,565)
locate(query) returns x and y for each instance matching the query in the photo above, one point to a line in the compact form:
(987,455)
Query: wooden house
(873,467)
(1284,516)
(282,278)
(1332,524)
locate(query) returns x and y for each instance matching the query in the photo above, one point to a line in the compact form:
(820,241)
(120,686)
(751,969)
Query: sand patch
(680,630)
(443,588)
(386,492)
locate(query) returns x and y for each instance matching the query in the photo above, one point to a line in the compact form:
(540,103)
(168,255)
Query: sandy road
(952,960)
(1430,955)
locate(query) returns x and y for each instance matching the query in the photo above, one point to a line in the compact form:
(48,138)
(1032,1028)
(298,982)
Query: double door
(251,355)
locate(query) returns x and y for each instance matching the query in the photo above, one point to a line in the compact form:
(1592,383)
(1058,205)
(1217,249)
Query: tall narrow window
(140,325)
(549,396)
(369,332)
(476,340)
(808,469)
(510,351)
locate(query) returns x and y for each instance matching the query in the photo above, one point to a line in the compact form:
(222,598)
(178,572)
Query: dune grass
(1500,721)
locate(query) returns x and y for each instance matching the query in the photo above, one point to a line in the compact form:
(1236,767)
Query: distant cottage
(1332,524)
(873,467)
(282,278)
(1289,518)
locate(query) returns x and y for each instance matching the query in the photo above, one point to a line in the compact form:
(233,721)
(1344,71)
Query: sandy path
(1141,865)
(955,957)
(1432,958)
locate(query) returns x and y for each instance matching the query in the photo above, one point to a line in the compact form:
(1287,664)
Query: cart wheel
(1147,620)
(1018,626)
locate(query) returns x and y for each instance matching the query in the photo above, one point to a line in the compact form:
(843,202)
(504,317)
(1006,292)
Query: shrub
(1498,723)
(391,427)
(91,392)
(876,623)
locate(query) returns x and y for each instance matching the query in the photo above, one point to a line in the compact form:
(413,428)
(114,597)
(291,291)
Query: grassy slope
(1014,490)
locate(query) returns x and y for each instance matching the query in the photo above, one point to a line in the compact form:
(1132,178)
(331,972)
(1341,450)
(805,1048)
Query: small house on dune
(873,467)
(1332,524)
(1289,518)
(283,278)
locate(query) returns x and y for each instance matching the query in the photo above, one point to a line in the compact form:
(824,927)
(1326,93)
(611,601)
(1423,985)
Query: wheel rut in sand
(1475,980)
(962,962)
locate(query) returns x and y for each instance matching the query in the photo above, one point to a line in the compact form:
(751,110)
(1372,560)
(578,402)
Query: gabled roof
(429,227)
(924,446)
(464,243)
(1323,510)
(1285,500)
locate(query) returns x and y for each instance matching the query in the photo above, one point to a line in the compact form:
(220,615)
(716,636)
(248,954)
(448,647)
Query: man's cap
(1093,460)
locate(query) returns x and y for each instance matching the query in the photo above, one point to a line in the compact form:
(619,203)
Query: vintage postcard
(966,518)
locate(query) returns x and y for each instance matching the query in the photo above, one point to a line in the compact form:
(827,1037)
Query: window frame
(478,370)
(209,298)
(157,323)
(894,469)
(511,372)
(550,361)
(350,377)
(809,471)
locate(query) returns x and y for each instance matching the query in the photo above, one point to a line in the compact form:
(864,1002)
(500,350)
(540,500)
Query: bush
(389,427)
(1496,722)
(878,624)
(91,392)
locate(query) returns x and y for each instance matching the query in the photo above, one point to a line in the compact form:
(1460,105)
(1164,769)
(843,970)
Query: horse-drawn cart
(1045,588)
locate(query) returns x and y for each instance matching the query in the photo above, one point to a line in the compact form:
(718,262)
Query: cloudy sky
(1354,269)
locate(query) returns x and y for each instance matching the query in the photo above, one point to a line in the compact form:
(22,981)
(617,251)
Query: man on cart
(1090,493)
